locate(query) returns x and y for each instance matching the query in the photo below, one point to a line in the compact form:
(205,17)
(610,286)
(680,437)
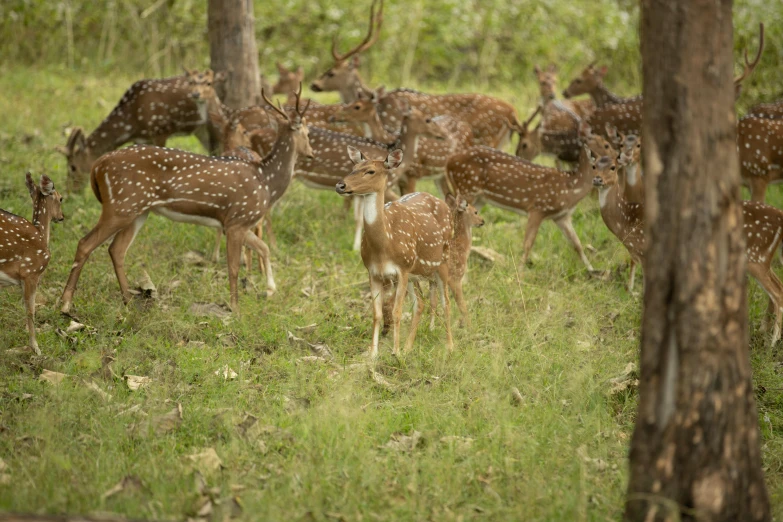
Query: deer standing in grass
(225,193)
(763,226)
(760,149)
(404,238)
(558,115)
(150,111)
(24,245)
(482,174)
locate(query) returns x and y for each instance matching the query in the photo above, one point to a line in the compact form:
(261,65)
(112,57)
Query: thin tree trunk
(232,47)
(695,452)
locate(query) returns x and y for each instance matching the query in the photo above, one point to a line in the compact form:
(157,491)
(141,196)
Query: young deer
(511,183)
(343,76)
(760,148)
(24,245)
(404,238)
(328,166)
(558,115)
(150,111)
(628,158)
(288,82)
(225,193)
(430,154)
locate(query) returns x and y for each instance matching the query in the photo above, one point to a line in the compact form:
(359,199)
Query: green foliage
(438,43)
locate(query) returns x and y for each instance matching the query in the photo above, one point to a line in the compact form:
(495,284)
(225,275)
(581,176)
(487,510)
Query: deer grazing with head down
(24,245)
(226,193)
(343,76)
(403,238)
(763,226)
(150,111)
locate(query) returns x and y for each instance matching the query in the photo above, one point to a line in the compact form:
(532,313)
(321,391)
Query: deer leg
(264,256)
(30,285)
(399,298)
(774,289)
(443,278)
(376,294)
(159,141)
(216,251)
(433,304)
(567,227)
(410,185)
(119,246)
(758,188)
(531,230)
(418,310)
(94,238)
(456,287)
(267,223)
(234,240)
(632,275)
(358,217)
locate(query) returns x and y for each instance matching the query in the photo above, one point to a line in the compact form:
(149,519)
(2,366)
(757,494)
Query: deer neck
(42,220)
(348,91)
(463,237)
(408,142)
(374,127)
(112,132)
(632,174)
(375,230)
(278,166)
(603,96)
(216,114)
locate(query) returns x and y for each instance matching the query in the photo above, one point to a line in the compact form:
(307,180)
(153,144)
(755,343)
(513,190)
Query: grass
(318,450)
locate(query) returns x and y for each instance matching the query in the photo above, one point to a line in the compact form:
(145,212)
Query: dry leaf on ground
(168,421)
(94,387)
(206,460)
(145,287)
(319,349)
(136,382)
(52,377)
(227,373)
(209,310)
(75,326)
(193,258)
(457,442)
(404,443)
(487,254)
(628,380)
(128,484)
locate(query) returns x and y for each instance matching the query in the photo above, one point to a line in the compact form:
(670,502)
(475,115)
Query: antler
(279,109)
(530,119)
(298,99)
(372,35)
(748,65)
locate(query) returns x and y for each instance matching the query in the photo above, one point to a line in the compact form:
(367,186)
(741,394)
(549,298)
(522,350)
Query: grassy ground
(328,441)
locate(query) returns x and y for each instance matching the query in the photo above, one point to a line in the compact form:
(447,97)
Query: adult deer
(760,148)
(24,245)
(430,153)
(288,81)
(343,76)
(482,174)
(150,111)
(559,115)
(226,193)
(772,111)
(404,238)
(763,226)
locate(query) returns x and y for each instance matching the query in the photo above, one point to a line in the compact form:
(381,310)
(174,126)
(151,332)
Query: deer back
(760,146)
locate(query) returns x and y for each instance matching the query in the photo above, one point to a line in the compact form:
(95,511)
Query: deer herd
(372,149)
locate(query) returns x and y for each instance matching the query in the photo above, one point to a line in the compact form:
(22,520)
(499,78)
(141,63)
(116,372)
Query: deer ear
(380,92)
(394,159)
(280,68)
(355,155)
(47,185)
(354,64)
(31,188)
(462,204)
(62,150)
(451,200)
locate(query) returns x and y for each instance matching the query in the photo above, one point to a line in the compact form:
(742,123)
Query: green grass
(549,330)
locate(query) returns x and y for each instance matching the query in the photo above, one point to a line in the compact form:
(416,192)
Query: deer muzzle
(341,189)
(598,181)
(316,87)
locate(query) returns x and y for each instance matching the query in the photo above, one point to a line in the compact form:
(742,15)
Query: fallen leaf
(132,409)
(311,358)
(145,286)
(136,382)
(227,373)
(192,257)
(75,327)
(168,421)
(487,254)
(319,349)
(129,484)
(517,396)
(310,328)
(93,386)
(381,380)
(457,442)
(207,460)
(209,309)
(52,377)
(628,380)
(405,443)
(63,335)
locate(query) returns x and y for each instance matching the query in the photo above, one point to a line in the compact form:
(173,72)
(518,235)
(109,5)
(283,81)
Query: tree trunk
(695,451)
(232,48)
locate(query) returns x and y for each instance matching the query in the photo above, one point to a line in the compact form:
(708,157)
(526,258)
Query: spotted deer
(430,154)
(482,174)
(24,245)
(343,76)
(288,82)
(771,111)
(403,240)
(763,227)
(760,149)
(564,145)
(226,193)
(558,115)
(628,152)
(328,165)
(150,111)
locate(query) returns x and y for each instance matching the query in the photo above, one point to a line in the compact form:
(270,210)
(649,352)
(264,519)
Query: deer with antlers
(763,226)
(559,115)
(226,193)
(482,174)
(328,165)
(430,154)
(343,76)
(150,111)
(760,149)
(402,239)
(24,245)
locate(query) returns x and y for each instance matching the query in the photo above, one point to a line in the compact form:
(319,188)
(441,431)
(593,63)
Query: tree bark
(695,451)
(232,47)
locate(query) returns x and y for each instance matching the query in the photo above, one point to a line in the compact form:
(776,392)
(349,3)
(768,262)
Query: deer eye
(329,74)
(606,146)
(357,107)
(524,145)
(578,80)
(369,173)
(73,168)
(612,168)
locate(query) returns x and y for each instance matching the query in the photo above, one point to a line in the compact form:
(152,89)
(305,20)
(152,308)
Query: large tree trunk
(232,46)
(695,451)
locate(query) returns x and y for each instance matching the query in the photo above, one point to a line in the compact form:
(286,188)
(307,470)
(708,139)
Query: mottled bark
(232,46)
(695,452)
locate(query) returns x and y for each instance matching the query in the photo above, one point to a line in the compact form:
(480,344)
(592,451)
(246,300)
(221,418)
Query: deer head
(287,80)
(343,76)
(464,210)
(604,170)
(590,79)
(79,158)
(547,82)
(46,200)
(202,84)
(296,124)
(529,145)
(368,176)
